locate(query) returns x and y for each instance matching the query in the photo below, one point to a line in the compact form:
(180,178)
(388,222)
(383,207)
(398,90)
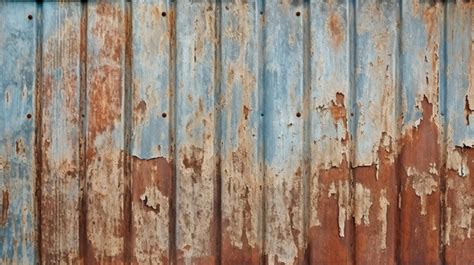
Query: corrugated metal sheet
(237,132)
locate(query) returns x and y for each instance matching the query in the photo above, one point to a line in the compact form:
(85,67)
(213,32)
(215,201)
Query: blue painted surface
(17,132)
(283,130)
(459,87)
(196,147)
(151,79)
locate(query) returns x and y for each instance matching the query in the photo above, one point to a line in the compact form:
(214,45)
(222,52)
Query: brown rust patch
(194,161)
(459,214)
(5,205)
(376,241)
(140,110)
(152,184)
(334,231)
(20,147)
(246,112)
(467,110)
(155,172)
(336,29)
(419,236)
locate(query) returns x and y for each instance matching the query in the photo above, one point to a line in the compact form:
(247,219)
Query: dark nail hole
(298,114)
(261,12)
(262,114)
(163,14)
(28,116)
(298,13)
(30,17)
(163,114)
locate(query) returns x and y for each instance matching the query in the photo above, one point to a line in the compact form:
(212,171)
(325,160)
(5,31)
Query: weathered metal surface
(18,42)
(213,132)
(60,133)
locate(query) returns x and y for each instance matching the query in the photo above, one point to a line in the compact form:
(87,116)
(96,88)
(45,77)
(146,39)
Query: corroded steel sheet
(236,132)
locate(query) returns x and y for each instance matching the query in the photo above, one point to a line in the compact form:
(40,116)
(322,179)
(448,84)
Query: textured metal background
(264,132)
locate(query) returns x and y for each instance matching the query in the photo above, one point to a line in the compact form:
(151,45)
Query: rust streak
(336,30)
(5,205)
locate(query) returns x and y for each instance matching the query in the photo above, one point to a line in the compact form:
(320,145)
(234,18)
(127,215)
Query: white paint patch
(423,184)
(382,217)
(447,230)
(153,198)
(458,163)
(363,202)
(343,203)
(466,220)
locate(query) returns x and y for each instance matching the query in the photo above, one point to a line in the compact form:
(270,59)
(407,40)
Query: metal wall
(264,132)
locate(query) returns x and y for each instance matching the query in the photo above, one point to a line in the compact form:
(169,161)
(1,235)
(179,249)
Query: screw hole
(30,17)
(298,114)
(163,14)
(262,114)
(28,116)
(298,13)
(261,12)
(163,115)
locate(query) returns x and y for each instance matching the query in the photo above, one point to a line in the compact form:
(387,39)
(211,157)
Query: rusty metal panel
(236,132)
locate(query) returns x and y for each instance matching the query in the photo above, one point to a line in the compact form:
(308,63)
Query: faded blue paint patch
(330,74)
(416,60)
(459,96)
(375,74)
(17,171)
(151,67)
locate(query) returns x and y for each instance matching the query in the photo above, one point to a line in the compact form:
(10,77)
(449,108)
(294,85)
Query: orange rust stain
(5,205)
(338,110)
(105,91)
(430,18)
(336,29)
(194,161)
(419,236)
(104,98)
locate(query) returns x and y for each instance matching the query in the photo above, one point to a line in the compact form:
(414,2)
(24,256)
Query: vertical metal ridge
(443,90)
(172,228)
(262,105)
(127,108)
(38,124)
(354,112)
(307,99)
(218,131)
(83,242)
(398,115)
